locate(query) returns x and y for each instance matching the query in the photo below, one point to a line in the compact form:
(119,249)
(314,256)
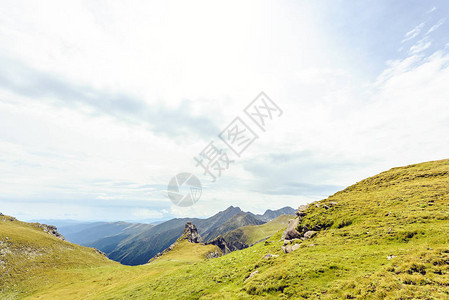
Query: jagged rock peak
(191,234)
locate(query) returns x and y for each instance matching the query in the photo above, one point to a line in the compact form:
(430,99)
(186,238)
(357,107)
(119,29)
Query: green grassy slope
(252,234)
(28,256)
(387,237)
(236,221)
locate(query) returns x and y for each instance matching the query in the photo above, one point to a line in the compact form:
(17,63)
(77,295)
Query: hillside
(384,237)
(246,236)
(30,250)
(236,221)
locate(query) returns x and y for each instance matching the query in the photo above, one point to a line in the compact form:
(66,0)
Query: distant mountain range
(136,243)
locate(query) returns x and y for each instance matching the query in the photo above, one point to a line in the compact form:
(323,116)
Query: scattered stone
(333,203)
(312,245)
(391,257)
(325,206)
(309,234)
(296,247)
(291,232)
(286,242)
(213,254)
(317,205)
(99,252)
(252,275)
(6,238)
(270,256)
(287,249)
(387,215)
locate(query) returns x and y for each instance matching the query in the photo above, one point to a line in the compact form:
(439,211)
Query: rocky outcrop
(291,232)
(191,234)
(220,242)
(50,229)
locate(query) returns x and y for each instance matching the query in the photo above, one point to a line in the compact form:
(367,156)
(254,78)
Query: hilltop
(384,237)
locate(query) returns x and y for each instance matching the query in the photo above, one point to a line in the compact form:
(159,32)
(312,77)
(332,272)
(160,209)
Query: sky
(103,102)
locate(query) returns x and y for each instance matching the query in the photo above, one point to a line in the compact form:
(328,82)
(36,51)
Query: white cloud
(436,26)
(413,33)
(420,46)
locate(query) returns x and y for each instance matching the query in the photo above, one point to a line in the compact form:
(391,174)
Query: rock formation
(50,229)
(220,242)
(191,234)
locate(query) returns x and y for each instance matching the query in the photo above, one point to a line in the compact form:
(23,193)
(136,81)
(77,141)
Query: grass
(254,233)
(387,238)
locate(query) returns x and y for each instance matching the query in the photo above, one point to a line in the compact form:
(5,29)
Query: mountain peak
(232,208)
(191,233)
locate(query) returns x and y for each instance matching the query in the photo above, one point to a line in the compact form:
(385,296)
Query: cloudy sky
(103,102)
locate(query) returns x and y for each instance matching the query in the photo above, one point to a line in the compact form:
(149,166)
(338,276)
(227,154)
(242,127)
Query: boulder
(287,249)
(296,247)
(291,232)
(309,234)
(270,256)
(301,211)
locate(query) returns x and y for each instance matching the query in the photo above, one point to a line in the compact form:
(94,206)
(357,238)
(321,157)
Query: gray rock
(287,249)
(325,206)
(333,203)
(301,211)
(296,247)
(291,232)
(309,234)
(303,207)
(213,254)
(220,242)
(191,233)
(270,256)
(50,229)
(252,275)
